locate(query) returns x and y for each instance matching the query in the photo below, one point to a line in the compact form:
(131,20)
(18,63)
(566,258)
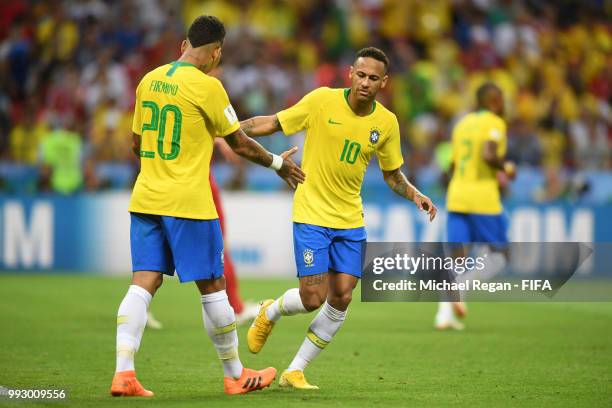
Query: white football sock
(131,320)
(322,329)
(220,323)
(289,304)
(445,311)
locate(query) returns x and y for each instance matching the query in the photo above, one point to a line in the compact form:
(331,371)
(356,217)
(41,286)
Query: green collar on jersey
(176,64)
(347,91)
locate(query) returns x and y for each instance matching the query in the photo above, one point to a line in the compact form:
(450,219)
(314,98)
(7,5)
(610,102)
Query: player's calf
(320,333)
(341,287)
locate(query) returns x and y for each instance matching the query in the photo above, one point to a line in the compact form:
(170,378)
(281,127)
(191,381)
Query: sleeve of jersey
(496,131)
(390,152)
(220,111)
(137,120)
(295,118)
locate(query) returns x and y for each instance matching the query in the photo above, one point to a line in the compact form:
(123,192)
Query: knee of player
(341,300)
(312,300)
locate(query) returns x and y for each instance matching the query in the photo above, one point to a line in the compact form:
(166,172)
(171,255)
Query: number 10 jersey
(339,145)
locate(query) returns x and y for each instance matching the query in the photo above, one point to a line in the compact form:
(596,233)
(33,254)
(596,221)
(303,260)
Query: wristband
(277,162)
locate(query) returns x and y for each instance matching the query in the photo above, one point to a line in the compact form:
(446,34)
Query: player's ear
(184,45)
(216,53)
(351,69)
(384,81)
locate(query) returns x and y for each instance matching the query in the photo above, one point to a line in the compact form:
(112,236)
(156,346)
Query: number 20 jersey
(179,111)
(338,147)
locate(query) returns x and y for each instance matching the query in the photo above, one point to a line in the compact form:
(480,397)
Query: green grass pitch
(59,332)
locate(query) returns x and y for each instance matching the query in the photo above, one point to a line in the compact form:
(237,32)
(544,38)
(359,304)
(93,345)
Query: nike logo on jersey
(331,122)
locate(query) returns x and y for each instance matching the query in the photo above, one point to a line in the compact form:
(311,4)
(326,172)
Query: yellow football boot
(260,329)
(295,379)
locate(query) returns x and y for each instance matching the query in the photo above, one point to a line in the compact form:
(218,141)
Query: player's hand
(510,169)
(290,171)
(424,203)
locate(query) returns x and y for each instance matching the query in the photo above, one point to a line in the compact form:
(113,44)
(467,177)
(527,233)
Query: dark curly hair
(373,52)
(205,30)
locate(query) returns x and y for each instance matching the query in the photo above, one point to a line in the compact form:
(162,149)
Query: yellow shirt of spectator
(473,188)
(179,111)
(25,142)
(337,150)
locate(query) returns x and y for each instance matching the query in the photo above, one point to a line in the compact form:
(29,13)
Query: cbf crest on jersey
(308,257)
(374,135)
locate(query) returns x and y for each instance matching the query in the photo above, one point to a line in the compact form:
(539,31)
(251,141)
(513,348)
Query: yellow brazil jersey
(473,187)
(337,150)
(179,111)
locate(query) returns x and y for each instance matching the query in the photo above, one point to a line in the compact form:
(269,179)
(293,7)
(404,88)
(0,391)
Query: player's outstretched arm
(285,167)
(261,125)
(400,184)
(489,155)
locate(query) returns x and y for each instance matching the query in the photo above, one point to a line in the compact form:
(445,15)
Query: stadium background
(68,70)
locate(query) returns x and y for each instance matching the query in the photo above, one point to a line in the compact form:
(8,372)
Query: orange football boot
(125,384)
(250,380)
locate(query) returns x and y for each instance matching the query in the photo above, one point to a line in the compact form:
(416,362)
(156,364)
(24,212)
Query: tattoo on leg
(313,279)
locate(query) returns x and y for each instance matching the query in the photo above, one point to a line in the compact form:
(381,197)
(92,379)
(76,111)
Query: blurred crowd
(68,70)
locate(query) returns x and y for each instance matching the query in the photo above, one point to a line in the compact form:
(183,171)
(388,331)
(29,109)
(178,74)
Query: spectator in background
(16,52)
(106,78)
(58,36)
(553,142)
(110,125)
(523,144)
(61,151)
(551,60)
(589,136)
(26,135)
(63,95)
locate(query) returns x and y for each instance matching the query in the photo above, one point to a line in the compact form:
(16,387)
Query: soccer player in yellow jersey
(475,212)
(174,224)
(344,129)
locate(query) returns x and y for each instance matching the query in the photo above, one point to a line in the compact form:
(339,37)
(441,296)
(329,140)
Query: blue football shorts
(194,248)
(319,249)
(467,228)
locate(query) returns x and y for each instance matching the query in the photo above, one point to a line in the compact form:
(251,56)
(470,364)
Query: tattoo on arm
(247,125)
(261,125)
(248,148)
(398,182)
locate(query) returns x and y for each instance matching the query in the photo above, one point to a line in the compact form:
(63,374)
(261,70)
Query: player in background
(344,129)
(475,212)
(179,110)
